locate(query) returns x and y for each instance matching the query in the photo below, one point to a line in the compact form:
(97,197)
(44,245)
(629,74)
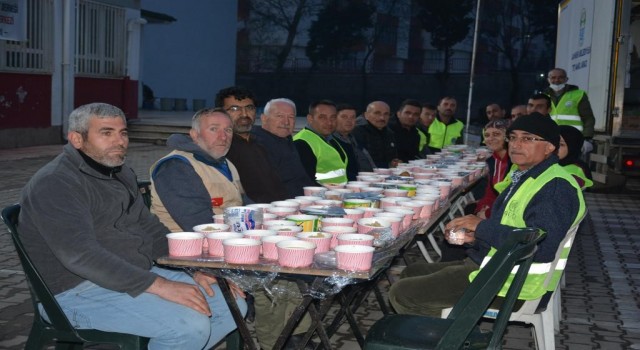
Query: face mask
(556,87)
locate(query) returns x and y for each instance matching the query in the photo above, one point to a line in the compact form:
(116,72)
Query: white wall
(193,57)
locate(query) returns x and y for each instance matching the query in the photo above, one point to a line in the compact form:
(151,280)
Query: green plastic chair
(460,329)
(59,329)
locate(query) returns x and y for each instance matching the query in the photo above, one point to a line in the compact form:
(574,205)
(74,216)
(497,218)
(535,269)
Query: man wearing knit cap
(541,194)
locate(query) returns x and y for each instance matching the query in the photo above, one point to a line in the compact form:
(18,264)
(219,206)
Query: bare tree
(510,27)
(382,12)
(339,29)
(277,19)
(448,22)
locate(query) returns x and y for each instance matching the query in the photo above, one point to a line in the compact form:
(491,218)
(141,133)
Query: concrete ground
(601,301)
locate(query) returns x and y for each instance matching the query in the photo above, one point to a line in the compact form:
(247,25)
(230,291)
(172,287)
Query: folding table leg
(293,321)
(236,314)
(381,301)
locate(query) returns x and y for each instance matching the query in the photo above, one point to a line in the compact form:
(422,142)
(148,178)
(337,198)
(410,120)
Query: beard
(242,125)
(106,158)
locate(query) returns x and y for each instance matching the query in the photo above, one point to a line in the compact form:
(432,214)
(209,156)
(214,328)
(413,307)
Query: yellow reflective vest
(577,171)
(514,216)
(441,134)
(330,168)
(423,140)
(565,112)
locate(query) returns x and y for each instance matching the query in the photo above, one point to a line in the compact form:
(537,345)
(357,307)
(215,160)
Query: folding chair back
(460,328)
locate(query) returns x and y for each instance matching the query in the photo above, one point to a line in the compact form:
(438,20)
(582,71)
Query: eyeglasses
(236,109)
(523,139)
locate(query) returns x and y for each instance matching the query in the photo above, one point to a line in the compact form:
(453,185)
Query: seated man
(373,134)
(358,157)
(88,231)
(445,129)
(539,103)
(274,134)
(322,156)
(191,191)
(249,157)
(180,197)
(532,200)
(407,135)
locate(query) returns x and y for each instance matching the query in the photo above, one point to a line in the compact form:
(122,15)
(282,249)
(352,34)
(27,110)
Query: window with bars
(100,40)
(35,55)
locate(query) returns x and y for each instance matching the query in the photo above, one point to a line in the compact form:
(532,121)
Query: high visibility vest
(423,140)
(577,171)
(502,185)
(565,112)
(330,168)
(441,135)
(513,216)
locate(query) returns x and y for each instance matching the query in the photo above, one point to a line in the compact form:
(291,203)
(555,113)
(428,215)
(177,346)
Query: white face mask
(556,87)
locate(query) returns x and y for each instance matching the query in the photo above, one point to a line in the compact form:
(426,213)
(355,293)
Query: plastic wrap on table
(381,236)
(373,196)
(324,211)
(251,280)
(383,256)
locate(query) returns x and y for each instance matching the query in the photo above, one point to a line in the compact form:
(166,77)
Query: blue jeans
(168,324)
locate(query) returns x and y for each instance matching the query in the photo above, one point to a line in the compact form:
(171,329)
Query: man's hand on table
(185,294)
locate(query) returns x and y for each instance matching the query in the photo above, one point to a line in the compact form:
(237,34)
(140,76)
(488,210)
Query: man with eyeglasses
(259,178)
(541,195)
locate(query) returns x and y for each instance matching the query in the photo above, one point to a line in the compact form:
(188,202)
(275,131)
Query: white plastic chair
(545,322)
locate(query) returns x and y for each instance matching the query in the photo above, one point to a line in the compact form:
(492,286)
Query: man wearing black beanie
(541,195)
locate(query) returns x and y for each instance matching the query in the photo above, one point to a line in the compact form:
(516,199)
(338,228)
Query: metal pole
(472,71)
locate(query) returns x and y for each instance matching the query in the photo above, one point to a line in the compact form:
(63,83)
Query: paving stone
(612,344)
(578,346)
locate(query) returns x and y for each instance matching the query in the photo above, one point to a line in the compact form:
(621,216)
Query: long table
(318,283)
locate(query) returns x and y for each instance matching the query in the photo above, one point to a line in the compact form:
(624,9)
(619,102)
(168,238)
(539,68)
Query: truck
(598,44)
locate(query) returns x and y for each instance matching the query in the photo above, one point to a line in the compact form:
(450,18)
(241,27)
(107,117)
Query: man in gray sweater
(89,233)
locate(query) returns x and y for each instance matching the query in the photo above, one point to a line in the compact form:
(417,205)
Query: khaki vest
(215,182)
